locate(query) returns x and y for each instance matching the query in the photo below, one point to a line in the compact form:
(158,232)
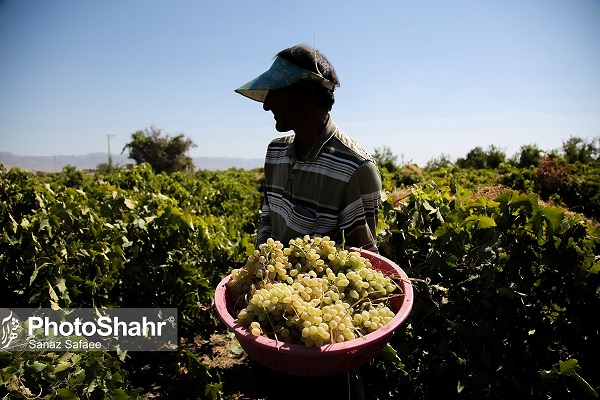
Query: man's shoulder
(282,140)
(279,147)
(346,144)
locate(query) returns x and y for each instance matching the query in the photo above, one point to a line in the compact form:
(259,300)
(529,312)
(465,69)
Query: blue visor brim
(281,74)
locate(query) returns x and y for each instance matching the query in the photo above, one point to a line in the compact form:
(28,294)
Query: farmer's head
(313,60)
(303,70)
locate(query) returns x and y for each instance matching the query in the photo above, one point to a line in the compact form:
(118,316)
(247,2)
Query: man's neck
(307,135)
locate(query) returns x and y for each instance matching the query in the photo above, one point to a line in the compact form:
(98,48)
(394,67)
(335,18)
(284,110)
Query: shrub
(505,290)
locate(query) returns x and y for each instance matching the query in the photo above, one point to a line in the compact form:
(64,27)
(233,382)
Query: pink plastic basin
(297,359)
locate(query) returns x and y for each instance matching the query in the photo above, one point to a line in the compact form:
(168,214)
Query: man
(318,180)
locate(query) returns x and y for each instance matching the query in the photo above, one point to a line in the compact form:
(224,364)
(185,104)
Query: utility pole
(109,155)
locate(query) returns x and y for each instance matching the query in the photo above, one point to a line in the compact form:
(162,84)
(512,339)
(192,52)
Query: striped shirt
(335,188)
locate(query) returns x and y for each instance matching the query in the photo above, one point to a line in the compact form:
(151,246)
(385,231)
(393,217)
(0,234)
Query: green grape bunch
(311,292)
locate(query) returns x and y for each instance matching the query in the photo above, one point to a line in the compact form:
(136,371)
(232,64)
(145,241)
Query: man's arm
(362,199)
(264,229)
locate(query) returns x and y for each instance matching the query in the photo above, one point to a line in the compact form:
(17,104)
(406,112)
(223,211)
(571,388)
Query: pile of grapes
(311,292)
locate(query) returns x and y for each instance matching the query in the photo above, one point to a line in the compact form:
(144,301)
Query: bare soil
(174,376)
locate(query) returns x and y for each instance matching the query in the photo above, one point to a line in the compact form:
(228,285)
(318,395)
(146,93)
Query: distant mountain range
(91,160)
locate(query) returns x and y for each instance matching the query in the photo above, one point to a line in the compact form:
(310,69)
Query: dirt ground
(173,375)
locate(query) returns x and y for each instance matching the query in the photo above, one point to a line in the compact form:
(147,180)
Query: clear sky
(425,78)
